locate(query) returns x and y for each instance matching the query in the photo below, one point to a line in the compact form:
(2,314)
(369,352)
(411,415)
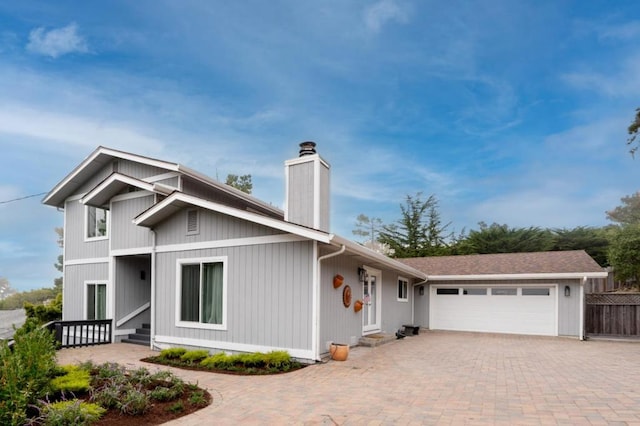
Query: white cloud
(56,42)
(74,130)
(384,11)
(623,82)
(627,31)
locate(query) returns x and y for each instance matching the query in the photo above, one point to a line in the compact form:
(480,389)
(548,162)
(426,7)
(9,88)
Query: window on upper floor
(96,222)
(201,293)
(403,289)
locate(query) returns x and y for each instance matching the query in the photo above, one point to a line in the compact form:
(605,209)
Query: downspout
(413,299)
(582,307)
(153,288)
(316,306)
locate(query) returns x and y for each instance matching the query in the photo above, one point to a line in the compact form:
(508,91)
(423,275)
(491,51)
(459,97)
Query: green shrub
(191,357)
(46,311)
(75,379)
(25,373)
(134,402)
(172,353)
(277,359)
(198,399)
(72,412)
(177,407)
(250,360)
(219,360)
(140,376)
(107,396)
(161,393)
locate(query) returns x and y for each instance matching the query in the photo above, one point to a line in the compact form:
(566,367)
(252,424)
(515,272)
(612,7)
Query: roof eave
(531,276)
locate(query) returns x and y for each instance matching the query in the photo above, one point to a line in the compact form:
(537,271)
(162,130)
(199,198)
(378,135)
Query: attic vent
(192,222)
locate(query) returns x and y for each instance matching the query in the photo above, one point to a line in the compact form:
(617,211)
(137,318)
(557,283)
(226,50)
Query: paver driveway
(433,378)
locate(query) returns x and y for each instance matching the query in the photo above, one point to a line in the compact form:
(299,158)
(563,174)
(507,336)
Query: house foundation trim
(230,346)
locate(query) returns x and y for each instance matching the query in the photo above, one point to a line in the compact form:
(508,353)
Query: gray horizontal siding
(73,290)
(269,298)
(124,234)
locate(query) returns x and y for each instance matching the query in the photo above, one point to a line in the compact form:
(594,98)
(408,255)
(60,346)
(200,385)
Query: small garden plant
(247,363)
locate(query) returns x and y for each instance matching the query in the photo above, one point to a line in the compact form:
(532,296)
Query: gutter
(531,276)
(315,331)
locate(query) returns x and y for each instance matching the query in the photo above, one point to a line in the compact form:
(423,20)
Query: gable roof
(178,200)
(115,183)
(103,156)
(549,264)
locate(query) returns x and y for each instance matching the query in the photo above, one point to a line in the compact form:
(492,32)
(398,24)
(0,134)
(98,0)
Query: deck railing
(73,334)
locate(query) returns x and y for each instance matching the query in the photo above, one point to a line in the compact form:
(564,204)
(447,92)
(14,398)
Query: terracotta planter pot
(337,281)
(339,351)
(357,305)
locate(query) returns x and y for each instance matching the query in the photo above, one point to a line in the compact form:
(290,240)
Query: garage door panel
(492,313)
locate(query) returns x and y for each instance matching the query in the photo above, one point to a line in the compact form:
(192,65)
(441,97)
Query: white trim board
(88,261)
(231,346)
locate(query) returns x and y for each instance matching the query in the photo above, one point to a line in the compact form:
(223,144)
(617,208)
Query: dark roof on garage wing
(549,264)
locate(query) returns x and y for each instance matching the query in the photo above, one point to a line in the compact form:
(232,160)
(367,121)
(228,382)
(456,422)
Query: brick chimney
(307,189)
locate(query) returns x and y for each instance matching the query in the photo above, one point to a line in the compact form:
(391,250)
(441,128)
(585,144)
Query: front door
(371,291)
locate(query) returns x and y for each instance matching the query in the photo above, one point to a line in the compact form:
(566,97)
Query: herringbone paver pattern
(434,378)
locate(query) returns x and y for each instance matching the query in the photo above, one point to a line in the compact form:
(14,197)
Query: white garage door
(497,309)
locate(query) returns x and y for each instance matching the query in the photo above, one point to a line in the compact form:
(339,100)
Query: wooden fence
(613,314)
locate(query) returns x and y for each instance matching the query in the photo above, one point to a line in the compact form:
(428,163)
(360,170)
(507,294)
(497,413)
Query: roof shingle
(573,261)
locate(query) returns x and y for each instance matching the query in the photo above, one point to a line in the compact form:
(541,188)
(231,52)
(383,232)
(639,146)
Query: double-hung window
(403,289)
(96,222)
(96,301)
(201,293)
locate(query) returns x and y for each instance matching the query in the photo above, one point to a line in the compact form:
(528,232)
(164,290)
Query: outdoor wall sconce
(567,291)
(421,290)
(362,274)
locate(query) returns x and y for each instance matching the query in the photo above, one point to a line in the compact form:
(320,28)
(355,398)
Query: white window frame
(193,261)
(86,225)
(197,230)
(405,282)
(85,299)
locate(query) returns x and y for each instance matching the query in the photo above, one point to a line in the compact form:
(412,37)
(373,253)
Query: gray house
(162,249)
(153,244)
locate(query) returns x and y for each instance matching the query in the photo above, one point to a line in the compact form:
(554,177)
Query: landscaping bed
(257,363)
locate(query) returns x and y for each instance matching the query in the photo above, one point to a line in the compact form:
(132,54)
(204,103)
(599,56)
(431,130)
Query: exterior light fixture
(567,291)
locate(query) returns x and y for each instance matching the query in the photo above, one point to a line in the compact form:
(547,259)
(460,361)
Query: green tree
(628,213)
(367,227)
(633,130)
(419,232)
(497,238)
(243,183)
(593,240)
(624,254)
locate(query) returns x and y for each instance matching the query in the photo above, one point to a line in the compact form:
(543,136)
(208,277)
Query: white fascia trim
(131,251)
(233,212)
(89,261)
(305,159)
(233,242)
(127,180)
(163,176)
(231,346)
(131,196)
(542,276)
(373,256)
(114,153)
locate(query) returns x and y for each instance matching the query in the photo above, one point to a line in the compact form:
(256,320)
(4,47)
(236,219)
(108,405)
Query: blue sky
(512,112)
